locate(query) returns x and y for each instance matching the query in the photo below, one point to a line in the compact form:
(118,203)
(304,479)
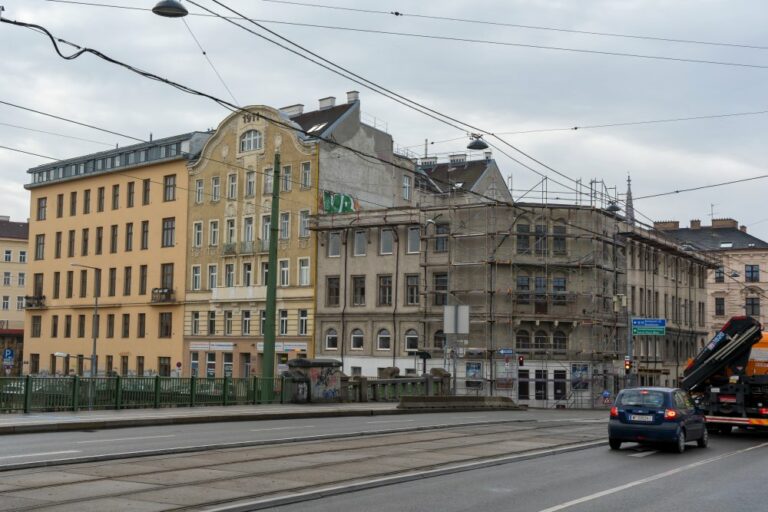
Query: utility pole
(268,362)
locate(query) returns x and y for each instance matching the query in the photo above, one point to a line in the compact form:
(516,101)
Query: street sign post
(649,326)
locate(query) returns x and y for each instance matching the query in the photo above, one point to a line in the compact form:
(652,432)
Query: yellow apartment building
(109,228)
(13,267)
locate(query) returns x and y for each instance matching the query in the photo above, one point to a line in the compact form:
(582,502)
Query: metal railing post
(118,392)
(27,393)
(76,393)
(225,391)
(192,390)
(157,391)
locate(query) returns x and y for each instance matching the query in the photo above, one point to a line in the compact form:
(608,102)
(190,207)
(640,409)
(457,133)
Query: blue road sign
(506,351)
(649,326)
(8,354)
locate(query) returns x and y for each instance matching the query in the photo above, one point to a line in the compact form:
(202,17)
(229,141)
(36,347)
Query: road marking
(649,479)
(390,421)
(38,454)
(644,453)
(281,428)
(122,439)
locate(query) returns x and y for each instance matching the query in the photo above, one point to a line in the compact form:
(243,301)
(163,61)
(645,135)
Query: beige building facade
(13,267)
(109,227)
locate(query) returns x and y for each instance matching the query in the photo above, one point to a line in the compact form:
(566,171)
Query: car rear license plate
(640,417)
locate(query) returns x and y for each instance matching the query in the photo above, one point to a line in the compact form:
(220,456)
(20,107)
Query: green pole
(27,393)
(268,362)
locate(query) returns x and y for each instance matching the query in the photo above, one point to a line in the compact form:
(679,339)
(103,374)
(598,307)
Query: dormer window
(250,141)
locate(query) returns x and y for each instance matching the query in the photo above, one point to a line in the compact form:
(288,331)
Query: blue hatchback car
(656,415)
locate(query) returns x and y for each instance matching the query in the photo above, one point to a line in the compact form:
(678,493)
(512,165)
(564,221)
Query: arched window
(540,339)
(411,340)
(331,340)
(559,340)
(384,340)
(357,339)
(523,339)
(250,141)
(439,339)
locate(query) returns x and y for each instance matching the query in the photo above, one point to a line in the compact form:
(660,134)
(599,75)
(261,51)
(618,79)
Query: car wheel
(703,441)
(680,442)
(615,444)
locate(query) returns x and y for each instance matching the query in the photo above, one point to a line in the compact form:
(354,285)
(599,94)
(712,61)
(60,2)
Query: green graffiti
(338,203)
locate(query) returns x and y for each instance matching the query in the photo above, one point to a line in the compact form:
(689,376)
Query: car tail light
(614,412)
(670,414)
(763,411)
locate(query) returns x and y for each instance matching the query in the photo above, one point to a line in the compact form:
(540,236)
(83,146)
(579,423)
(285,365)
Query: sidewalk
(82,420)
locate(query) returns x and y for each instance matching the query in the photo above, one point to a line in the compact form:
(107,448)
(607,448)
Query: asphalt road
(729,475)
(25,448)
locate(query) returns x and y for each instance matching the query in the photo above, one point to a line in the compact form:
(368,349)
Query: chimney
(724,223)
(488,154)
(353,96)
(328,102)
(743,228)
(666,225)
(458,158)
(695,224)
(7,218)
(293,110)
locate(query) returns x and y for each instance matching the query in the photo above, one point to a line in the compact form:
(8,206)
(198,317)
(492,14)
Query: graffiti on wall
(339,203)
(326,384)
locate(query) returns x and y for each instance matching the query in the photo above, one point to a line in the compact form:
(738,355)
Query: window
(231,186)
(385,290)
(268,178)
(129,236)
(541,384)
(213,233)
(110,325)
(213,278)
(229,274)
(112,285)
(211,322)
(414,240)
(248,229)
(250,184)
(264,272)
(303,322)
(411,340)
(164,366)
(169,187)
(284,275)
(145,188)
(439,339)
(283,315)
(100,193)
(361,243)
(229,230)
(247,274)
(37,286)
(144,234)
(197,234)
(303,271)
(358,290)
(250,141)
(57,246)
(228,322)
(441,237)
(39,247)
(37,322)
(81,326)
(8,255)
(541,239)
(143,280)
(245,321)
(97,282)
(334,244)
(131,194)
(523,291)
(286,180)
(6,279)
(263,317)
(407,188)
(412,289)
(71,244)
(266,226)
(55,326)
(19,303)
(166,320)
(304,224)
(42,206)
(440,281)
(285,226)
(166,275)
(523,239)
(753,306)
(332,290)
(83,283)
(306,175)
(215,188)
(22,279)
(386,241)
(357,340)
(60,205)
(6,303)
(169,232)
(67,326)
(558,289)
(752,273)
(141,325)
(99,240)
(199,191)
(72,203)
(559,340)
(22,256)
(383,340)
(331,339)
(720,306)
(558,240)
(113,238)
(115,197)
(195,277)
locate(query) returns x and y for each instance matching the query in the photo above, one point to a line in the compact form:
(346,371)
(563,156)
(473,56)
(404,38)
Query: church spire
(630,209)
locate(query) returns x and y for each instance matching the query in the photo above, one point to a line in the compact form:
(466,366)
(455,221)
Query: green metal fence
(32,394)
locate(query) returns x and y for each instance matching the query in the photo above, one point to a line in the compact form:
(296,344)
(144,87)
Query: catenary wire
(210,62)
(55,134)
(27,152)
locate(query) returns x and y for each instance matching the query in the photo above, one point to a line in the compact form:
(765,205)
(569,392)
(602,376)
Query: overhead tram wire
(27,152)
(702,187)
(517,25)
(210,62)
(56,134)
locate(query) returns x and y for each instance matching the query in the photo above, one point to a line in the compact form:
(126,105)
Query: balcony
(163,295)
(247,247)
(263,245)
(34,301)
(229,249)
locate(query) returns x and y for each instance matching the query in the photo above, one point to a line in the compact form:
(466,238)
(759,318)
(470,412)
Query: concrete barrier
(459,402)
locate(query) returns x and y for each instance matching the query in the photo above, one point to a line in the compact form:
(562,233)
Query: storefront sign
(285,346)
(214,345)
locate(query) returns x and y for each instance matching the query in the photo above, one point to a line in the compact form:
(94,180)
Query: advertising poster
(579,376)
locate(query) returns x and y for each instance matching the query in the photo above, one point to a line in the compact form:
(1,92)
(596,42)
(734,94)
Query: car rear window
(644,398)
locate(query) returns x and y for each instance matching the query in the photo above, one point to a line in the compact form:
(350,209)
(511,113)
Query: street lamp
(170,9)
(94,360)
(477,142)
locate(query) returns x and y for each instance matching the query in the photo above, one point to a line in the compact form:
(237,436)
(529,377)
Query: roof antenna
(150,136)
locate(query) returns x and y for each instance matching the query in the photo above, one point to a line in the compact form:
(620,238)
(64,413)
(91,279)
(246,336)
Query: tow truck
(728,378)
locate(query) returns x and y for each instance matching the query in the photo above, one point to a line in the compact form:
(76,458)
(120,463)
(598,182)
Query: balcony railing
(229,249)
(263,245)
(34,301)
(163,295)
(247,247)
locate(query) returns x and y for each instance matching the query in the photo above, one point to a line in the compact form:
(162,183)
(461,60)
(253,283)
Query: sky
(509,86)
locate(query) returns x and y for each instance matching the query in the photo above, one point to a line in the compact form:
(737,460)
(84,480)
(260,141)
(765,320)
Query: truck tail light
(614,412)
(670,414)
(763,411)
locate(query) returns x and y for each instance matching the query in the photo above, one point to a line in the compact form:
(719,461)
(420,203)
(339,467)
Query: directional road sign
(649,326)
(506,351)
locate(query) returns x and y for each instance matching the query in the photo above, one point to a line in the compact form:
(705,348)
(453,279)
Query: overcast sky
(498,88)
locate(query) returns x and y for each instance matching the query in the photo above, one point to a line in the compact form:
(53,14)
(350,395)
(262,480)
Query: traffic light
(627,365)
(520,360)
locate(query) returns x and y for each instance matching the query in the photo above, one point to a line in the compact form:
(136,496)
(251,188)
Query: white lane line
(649,479)
(389,421)
(281,428)
(644,454)
(122,439)
(37,454)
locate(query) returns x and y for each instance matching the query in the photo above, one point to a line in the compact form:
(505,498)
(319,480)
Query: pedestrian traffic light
(520,360)
(627,365)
